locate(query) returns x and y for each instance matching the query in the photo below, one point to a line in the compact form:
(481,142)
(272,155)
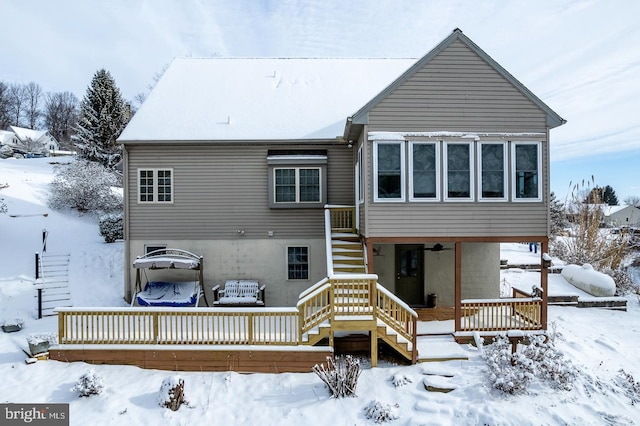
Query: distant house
(622,216)
(8,138)
(38,141)
(289,171)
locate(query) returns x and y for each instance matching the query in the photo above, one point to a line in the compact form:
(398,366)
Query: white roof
(6,136)
(260,98)
(24,133)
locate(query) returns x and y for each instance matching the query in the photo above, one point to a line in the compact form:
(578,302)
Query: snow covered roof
(27,134)
(259,98)
(6,137)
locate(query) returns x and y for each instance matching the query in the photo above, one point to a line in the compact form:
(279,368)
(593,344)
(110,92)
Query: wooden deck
(246,359)
(436,314)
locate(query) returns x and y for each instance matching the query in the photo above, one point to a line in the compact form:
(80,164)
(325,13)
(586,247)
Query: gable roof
(25,134)
(553,119)
(259,98)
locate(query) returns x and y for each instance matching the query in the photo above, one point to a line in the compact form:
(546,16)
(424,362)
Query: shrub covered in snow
(400,380)
(512,372)
(112,227)
(629,385)
(380,412)
(85,186)
(89,384)
(341,377)
(172,393)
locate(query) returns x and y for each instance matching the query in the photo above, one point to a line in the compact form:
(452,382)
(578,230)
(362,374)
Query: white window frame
(297,184)
(505,174)
(445,172)
(297,162)
(402,197)
(155,185)
(287,262)
(438,172)
(514,181)
(360,176)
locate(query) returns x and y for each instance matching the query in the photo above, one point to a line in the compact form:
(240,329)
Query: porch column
(458,285)
(544,280)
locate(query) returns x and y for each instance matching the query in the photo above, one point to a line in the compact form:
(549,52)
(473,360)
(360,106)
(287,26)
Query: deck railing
(342,218)
(399,316)
(353,294)
(194,326)
(501,314)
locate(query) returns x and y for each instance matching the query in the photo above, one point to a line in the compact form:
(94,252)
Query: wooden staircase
(347,253)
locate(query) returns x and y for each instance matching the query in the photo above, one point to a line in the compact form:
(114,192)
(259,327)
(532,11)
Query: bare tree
(4,106)
(33,95)
(17,103)
(632,200)
(61,114)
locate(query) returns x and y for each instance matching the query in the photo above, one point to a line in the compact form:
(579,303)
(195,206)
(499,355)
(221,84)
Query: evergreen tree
(605,195)
(557,215)
(103,116)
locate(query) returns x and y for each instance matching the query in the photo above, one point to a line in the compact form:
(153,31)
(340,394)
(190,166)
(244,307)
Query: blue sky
(581,57)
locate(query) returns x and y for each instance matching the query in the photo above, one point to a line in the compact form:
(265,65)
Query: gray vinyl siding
(219,189)
(457,91)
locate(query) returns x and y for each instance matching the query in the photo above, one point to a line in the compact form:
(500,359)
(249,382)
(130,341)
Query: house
(622,216)
(36,141)
(403,174)
(8,139)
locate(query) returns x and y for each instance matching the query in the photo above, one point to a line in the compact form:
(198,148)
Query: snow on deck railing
(195,326)
(523,313)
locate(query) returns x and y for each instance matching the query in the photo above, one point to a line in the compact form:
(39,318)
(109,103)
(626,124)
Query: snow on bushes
(380,412)
(400,380)
(630,387)
(85,186)
(341,377)
(112,227)
(512,372)
(172,393)
(89,384)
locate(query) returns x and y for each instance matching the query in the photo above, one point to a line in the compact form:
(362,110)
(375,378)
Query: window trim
(438,173)
(360,175)
(155,184)
(402,197)
(445,172)
(287,262)
(505,174)
(514,178)
(297,162)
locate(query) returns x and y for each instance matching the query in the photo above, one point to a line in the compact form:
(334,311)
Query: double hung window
(458,173)
(298,263)
(297,180)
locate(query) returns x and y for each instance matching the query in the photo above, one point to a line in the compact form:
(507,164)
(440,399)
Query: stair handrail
(313,288)
(327,237)
(406,329)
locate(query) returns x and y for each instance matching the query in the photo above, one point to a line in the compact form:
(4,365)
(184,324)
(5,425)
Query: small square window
(298,263)
(155,186)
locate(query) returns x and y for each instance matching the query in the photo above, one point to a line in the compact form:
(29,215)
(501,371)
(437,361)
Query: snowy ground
(599,342)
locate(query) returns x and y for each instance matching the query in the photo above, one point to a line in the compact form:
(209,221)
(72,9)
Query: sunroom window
(389,171)
(492,165)
(424,163)
(526,170)
(458,171)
